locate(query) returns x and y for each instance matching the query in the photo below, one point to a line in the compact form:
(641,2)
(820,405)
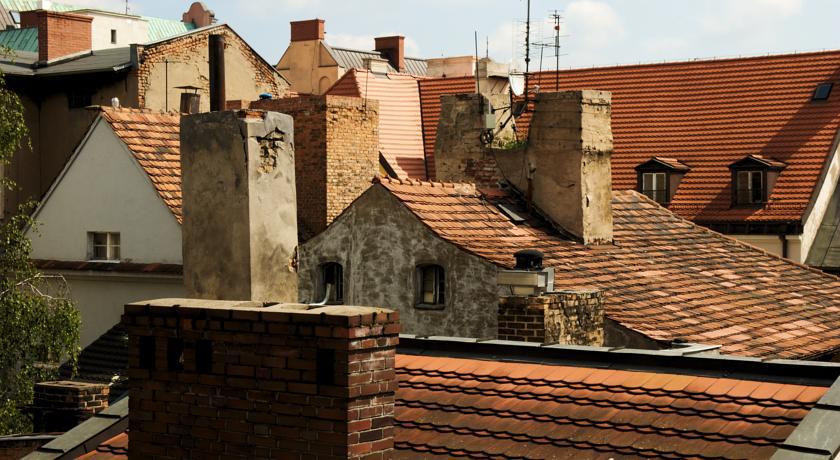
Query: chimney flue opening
(529,259)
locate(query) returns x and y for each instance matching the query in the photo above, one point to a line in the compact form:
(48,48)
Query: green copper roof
(20,39)
(159,28)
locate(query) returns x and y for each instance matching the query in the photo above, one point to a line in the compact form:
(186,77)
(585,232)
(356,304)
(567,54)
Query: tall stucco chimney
(394,50)
(311,29)
(237,380)
(239,206)
(59,34)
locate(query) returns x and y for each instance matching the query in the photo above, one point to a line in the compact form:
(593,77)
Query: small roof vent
(529,259)
(822,92)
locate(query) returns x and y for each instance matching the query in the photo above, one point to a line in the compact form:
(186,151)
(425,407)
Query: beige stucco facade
(309,67)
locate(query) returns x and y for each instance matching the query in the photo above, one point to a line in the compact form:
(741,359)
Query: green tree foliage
(39,326)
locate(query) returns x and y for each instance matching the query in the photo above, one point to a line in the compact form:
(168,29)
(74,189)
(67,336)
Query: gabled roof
(355,59)
(154,140)
(105,60)
(400,133)
(664,277)
(711,113)
(664,163)
(431,89)
(758,160)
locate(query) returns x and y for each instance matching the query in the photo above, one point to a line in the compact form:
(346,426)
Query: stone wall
(336,153)
(567,317)
(235,380)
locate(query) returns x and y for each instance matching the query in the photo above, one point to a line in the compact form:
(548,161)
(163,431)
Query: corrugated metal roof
(355,59)
(6,19)
(28,5)
(20,39)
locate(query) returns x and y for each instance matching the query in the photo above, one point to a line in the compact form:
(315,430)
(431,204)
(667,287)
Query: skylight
(822,92)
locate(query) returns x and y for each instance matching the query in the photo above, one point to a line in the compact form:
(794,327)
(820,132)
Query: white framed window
(431,285)
(104,246)
(655,186)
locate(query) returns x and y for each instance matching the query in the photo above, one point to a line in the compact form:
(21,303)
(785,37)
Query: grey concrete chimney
(239,206)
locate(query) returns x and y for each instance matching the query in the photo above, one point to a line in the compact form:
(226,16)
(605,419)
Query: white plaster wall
(105,190)
(816,213)
(773,245)
(100,297)
(129,30)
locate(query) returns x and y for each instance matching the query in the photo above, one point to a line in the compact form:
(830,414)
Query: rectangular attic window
(822,92)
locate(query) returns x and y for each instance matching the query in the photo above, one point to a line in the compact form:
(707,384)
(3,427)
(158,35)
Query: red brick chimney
(59,34)
(394,50)
(60,406)
(311,29)
(235,379)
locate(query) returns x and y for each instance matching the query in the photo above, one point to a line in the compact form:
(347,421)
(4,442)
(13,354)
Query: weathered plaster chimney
(199,15)
(59,34)
(239,206)
(311,29)
(394,50)
(233,379)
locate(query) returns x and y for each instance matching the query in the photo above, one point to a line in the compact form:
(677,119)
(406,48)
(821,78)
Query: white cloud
(108,5)
(592,24)
(366,42)
(746,15)
(660,46)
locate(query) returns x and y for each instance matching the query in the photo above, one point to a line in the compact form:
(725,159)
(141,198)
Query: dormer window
(658,178)
(753,178)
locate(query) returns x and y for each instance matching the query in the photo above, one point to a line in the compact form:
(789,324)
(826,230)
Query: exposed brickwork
(279,383)
(459,154)
(59,34)
(188,50)
(311,29)
(336,153)
(59,406)
(568,317)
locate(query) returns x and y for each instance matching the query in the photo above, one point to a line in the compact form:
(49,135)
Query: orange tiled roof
(709,114)
(115,448)
(431,89)
(664,277)
(400,131)
(471,408)
(154,139)
(449,407)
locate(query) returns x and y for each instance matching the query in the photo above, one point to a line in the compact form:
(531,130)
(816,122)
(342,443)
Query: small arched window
(332,283)
(431,285)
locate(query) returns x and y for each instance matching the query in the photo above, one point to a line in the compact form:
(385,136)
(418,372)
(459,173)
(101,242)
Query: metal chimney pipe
(217,73)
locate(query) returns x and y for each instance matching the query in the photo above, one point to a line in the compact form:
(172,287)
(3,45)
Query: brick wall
(59,34)
(60,406)
(336,153)
(567,317)
(238,381)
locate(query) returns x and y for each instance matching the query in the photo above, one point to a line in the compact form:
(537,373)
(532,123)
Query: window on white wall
(104,246)
(114,36)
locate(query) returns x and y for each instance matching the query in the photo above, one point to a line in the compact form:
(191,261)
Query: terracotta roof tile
(664,277)
(711,113)
(114,448)
(431,89)
(400,132)
(517,413)
(154,139)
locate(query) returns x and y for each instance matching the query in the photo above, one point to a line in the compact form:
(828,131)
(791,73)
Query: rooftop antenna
(126,7)
(527,48)
(477,80)
(556,16)
(487,46)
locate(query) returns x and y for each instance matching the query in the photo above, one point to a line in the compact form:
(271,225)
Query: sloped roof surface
(20,39)
(664,277)
(115,448)
(355,59)
(400,131)
(431,89)
(709,114)
(154,139)
(449,407)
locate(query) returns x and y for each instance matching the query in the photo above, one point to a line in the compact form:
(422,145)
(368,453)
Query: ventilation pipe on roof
(217,73)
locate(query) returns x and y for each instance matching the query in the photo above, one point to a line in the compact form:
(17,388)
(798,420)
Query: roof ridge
(381,179)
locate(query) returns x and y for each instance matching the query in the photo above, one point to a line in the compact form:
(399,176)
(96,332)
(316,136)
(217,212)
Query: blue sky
(594,32)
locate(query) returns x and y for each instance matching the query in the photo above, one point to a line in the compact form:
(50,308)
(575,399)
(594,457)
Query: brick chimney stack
(215,379)
(394,50)
(239,204)
(311,29)
(59,34)
(60,406)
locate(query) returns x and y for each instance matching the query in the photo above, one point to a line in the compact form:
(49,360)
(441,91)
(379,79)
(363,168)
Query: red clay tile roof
(431,89)
(672,163)
(712,113)
(664,277)
(400,131)
(471,408)
(154,139)
(114,448)
(468,408)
